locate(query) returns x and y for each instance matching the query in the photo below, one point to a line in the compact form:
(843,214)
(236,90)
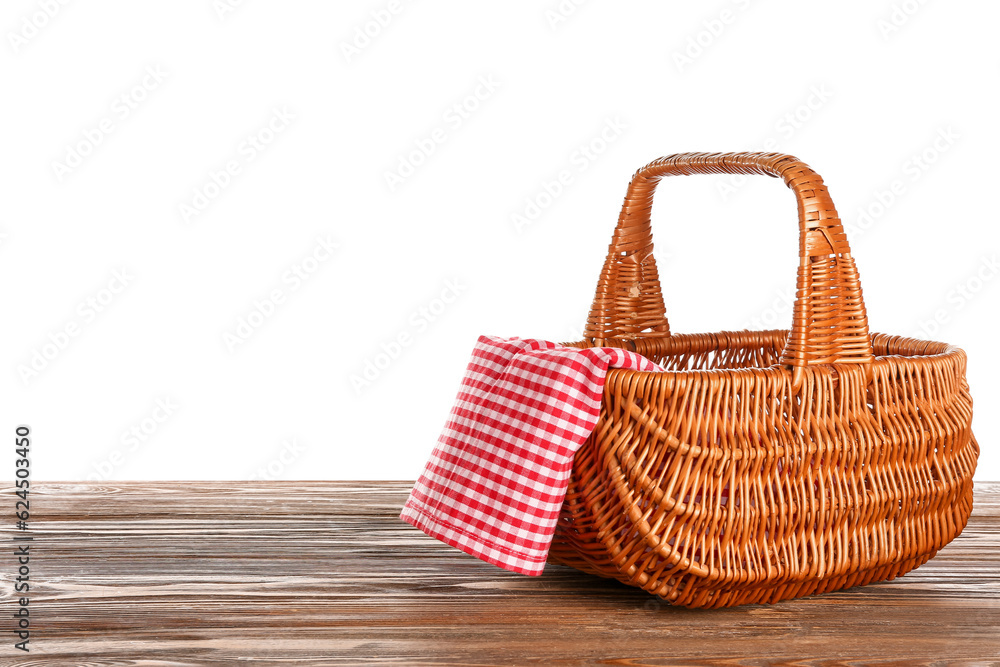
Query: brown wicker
(764,465)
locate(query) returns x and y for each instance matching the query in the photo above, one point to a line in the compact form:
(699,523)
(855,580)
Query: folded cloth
(495,483)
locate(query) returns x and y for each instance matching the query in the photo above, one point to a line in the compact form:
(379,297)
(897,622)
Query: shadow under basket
(764,465)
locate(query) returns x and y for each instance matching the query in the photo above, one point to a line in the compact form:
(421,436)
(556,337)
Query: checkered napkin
(496,481)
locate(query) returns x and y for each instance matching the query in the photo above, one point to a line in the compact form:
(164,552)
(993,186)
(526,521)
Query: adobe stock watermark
(87,311)
(712,28)
(579,161)
(133,437)
(572,333)
(899,15)
(120,109)
(785,127)
(223,8)
(292,279)
(288,453)
(911,170)
(365,33)
(453,118)
(217,181)
(561,12)
(32,24)
(958,298)
(418,323)
(776,315)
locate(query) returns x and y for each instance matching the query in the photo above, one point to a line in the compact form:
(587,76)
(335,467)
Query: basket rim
(922,350)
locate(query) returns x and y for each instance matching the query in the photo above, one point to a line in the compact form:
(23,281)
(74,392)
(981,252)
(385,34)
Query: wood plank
(324,573)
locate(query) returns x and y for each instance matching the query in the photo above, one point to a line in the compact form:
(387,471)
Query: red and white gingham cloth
(496,481)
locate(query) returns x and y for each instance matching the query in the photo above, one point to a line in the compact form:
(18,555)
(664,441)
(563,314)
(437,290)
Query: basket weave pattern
(764,465)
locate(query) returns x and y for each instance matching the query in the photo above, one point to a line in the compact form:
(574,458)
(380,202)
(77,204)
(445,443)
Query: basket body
(764,465)
(714,485)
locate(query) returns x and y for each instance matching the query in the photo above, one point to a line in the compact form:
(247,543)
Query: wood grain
(324,573)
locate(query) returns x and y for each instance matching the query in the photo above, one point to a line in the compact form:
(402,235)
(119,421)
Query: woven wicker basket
(764,465)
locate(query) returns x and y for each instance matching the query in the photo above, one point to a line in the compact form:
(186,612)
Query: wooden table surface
(324,573)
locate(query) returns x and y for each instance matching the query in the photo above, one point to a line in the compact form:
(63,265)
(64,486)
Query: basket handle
(829,322)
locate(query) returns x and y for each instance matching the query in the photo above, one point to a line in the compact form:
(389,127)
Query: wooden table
(324,573)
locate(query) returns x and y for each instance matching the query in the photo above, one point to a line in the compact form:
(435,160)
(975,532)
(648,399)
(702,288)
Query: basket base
(708,598)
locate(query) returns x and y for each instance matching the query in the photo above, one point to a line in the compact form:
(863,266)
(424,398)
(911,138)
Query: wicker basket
(764,465)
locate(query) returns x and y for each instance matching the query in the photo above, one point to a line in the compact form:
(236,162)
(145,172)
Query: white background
(859,90)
